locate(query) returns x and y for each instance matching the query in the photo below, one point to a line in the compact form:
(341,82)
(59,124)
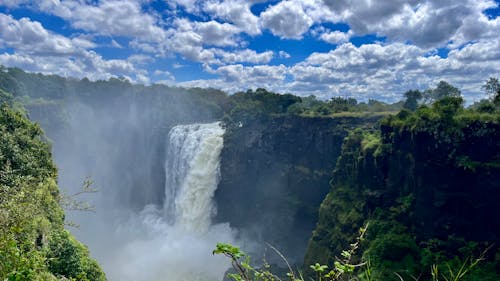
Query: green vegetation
(33,242)
(343,269)
(261,104)
(427,182)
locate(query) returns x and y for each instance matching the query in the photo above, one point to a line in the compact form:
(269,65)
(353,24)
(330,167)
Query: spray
(173,242)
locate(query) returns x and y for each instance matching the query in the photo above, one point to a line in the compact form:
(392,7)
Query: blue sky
(363,49)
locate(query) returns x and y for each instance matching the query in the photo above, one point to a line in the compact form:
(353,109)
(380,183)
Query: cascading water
(175,243)
(192,174)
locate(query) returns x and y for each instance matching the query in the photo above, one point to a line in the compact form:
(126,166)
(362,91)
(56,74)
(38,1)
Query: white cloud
(284,55)
(254,76)
(191,6)
(235,11)
(20,61)
(239,78)
(190,38)
(140,59)
(30,37)
(214,38)
(13,3)
(287,19)
(370,69)
(37,49)
(119,18)
(336,37)
(106,17)
(165,76)
(477,53)
(386,71)
(215,33)
(428,23)
(248,56)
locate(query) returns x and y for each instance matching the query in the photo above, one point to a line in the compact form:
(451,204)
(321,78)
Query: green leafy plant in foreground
(343,268)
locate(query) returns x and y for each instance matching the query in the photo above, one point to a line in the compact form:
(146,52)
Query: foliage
(342,269)
(257,105)
(31,219)
(442,90)
(412,98)
(397,179)
(312,107)
(241,264)
(492,88)
(68,257)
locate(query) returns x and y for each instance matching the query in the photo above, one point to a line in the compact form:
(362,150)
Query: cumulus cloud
(37,49)
(122,18)
(237,77)
(368,69)
(428,23)
(108,17)
(287,19)
(248,56)
(219,35)
(336,37)
(30,37)
(215,33)
(386,71)
(235,11)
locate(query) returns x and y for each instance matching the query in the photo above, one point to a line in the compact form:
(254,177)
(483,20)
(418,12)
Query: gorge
(179,170)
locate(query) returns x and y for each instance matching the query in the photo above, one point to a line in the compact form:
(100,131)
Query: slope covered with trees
(427,183)
(33,242)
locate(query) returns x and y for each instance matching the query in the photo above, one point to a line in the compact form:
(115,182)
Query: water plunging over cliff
(192,174)
(175,242)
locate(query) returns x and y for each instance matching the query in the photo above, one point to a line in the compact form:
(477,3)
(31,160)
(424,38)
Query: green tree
(443,89)
(412,98)
(492,90)
(33,243)
(491,87)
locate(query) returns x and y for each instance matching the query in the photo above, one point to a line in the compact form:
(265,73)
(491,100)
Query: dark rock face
(439,185)
(274,175)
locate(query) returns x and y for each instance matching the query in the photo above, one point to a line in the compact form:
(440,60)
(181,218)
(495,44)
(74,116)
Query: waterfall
(174,242)
(192,174)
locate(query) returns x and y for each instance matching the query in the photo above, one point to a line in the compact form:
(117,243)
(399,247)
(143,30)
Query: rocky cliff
(428,184)
(274,175)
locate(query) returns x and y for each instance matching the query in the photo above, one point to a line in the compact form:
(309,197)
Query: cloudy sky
(359,48)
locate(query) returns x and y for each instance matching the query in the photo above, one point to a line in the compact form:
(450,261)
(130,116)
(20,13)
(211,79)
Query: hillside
(33,242)
(427,183)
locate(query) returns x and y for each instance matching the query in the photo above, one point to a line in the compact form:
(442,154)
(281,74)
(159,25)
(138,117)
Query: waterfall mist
(175,243)
(145,227)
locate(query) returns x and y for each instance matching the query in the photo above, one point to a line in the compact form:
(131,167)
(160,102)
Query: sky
(351,48)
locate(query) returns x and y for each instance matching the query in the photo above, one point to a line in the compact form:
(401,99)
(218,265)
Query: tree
(412,98)
(447,107)
(492,90)
(491,87)
(6,97)
(442,90)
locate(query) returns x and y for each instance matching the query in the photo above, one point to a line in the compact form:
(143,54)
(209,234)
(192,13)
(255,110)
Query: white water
(192,174)
(175,243)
